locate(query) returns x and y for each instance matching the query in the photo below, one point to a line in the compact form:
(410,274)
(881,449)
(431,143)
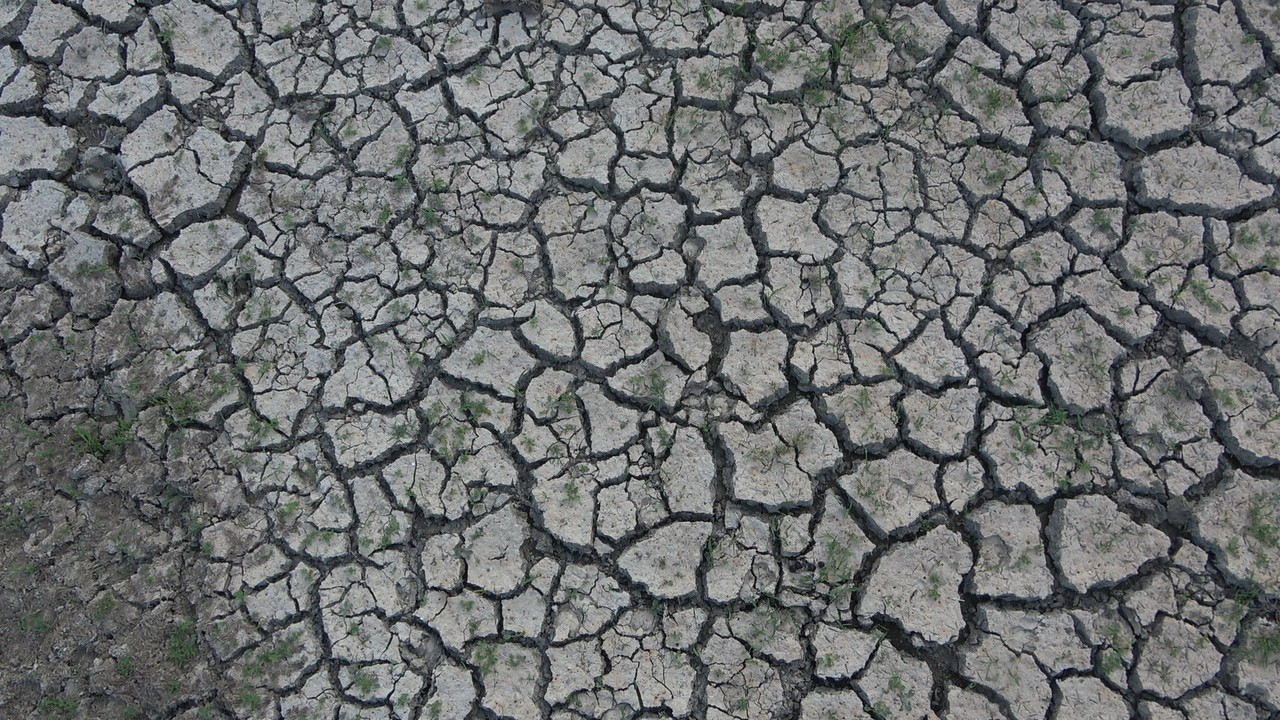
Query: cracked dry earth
(427,359)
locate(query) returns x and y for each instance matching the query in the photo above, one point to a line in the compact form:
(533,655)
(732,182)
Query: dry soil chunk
(203,247)
(31,146)
(765,470)
(1146,112)
(832,705)
(893,491)
(1010,554)
(840,652)
(183,173)
(1248,408)
(200,38)
(1196,179)
(1088,697)
(1079,355)
(1242,518)
(1178,657)
(493,552)
(1217,47)
(755,363)
(916,584)
(1096,545)
(666,562)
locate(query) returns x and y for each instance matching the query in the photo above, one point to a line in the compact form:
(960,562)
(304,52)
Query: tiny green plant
(1262,523)
(896,684)
(711,550)
(1265,648)
(486,657)
(1054,416)
(1111,661)
(181,408)
(364,682)
(37,625)
(166,32)
(838,571)
(572,493)
(389,533)
(93,269)
(250,698)
(91,441)
(935,586)
(281,651)
(182,642)
(853,40)
(59,707)
(103,607)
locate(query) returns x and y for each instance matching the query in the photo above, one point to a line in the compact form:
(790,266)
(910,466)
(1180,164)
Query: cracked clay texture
(567,359)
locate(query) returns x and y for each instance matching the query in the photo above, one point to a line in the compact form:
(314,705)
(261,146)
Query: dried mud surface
(423,359)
